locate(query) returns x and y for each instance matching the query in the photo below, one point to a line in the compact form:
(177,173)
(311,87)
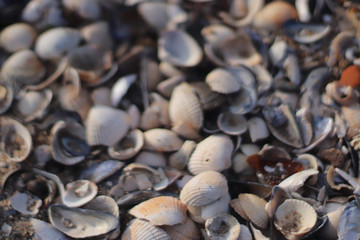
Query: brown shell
(162,140)
(138,229)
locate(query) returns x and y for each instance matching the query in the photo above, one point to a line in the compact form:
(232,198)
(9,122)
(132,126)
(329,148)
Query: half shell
(254,208)
(232,124)
(223,227)
(139,229)
(17,36)
(222,81)
(162,140)
(129,146)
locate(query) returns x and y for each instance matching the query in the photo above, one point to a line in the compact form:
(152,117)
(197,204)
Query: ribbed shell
(222,81)
(162,140)
(106,125)
(185,111)
(211,154)
(204,189)
(162,210)
(139,229)
(254,208)
(185,231)
(235,204)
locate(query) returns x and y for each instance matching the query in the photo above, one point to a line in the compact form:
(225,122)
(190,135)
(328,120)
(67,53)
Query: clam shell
(167,86)
(139,229)
(217,207)
(79,192)
(294,218)
(183,231)
(223,226)
(222,81)
(232,124)
(213,153)
(128,146)
(161,211)
(81,223)
(17,37)
(162,140)
(254,208)
(208,99)
(106,125)
(44,230)
(204,188)
(98,34)
(179,48)
(348,226)
(236,205)
(185,111)
(6,96)
(53,43)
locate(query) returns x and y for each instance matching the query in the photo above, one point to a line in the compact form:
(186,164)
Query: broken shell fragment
(162,140)
(140,229)
(223,226)
(257,129)
(25,203)
(98,172)
(79,192)
(128,146)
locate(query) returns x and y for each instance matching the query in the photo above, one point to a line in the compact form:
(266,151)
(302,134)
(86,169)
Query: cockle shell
(223,227)
(294,218)
(106,125)
(17,36)
(161,211)
(185,111)
(204,188)
(213,153)
(182,231)
(128,146)
(162,140)
(139,229)
(232,124)
(222,81)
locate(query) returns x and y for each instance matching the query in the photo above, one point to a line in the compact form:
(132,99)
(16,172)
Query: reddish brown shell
(351,76)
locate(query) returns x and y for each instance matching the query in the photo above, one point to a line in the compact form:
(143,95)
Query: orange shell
(351,76)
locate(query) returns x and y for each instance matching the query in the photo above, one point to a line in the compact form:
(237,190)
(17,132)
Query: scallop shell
(161,211)
(53,43)
(222,81)
(294,218)
(254,208)
(17,37)
(98,34)
(232,124)
(179,48)
(6,96)
(139,229)
(128,146)
(106,125)
(223,227)
(185,111)
(213,153)
(183,231)
(204,189)
(162,140)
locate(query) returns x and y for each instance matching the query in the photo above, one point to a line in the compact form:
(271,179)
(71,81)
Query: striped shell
(161,210)
(183,231)
(185,111)
(204,189)
(222,81)
(106,125)
(138,229)
(213,153)
(162,140)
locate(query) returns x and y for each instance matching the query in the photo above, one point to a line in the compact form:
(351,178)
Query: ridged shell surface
(106,125)
(211,154)
(162,140)
(139,229)
(254,208)
(222,81)
(183,231)
(204,189)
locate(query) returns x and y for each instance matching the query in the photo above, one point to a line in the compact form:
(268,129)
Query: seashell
(33,104)
(106,125)
(215,33)
(182,231)
(16,141)
(22,68)
(258,234)
(121,87)
(17,37)
(329,231)
(338,45)
(25,203)
(245,233)
(6,96)
(236,205)
(211,154)
(330,179)
(180,158)
(169,70)
(348,226)
(297,180)
(139,229)
(223,226)
(240,164)
(204,188)
(232,124)
(81,223)
(264,78)
(44,230)
(167,86)
(98,34)
(257,129)
(134,115)
(128,146)
(306,33)
(136,197)
(222,81)
(98,172)
(68,144)
(274,14)
(249,9)
(162,140)
(78,193)
(179,48)
(104,203)
(161,211)
(87,9)
(217,207)
(156,114)
(351,76)
(101,96)
(278,196)
(151,158)
(294,218)
(54,43)
(208,99)
(345,95)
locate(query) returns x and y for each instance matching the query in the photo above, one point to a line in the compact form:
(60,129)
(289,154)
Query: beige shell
(236,205)
(162,140)
(213,153)
(79,192)
(179,48)
(106,125)
(167,86)
(22,68)
(180,158)
(254,208)
(128,146)
(162,210)
(138,229)
(232,124)
(257,129)
(294,218)
(185,111)
(217,207)
(208,99)
(98,34)
(204,189)
(297,180)
(151,158)
(242,12)
(6,96)
(222,81)
(17,36)
(274,14)
(223,227)
(183,231)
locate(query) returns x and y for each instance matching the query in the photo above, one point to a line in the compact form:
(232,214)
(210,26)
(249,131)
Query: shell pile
(179,119)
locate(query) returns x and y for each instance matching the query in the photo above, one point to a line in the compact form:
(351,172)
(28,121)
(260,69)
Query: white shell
(162,140)
(25,203)
(257,129)
(183,231)
(232,124)
(79,192)
(87,9)
(223,227)
(44,230)
(98,33)
(151,158)
(121,87)
(222,81)
(297,180)
(17,36)
(180,159)
(128,146)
